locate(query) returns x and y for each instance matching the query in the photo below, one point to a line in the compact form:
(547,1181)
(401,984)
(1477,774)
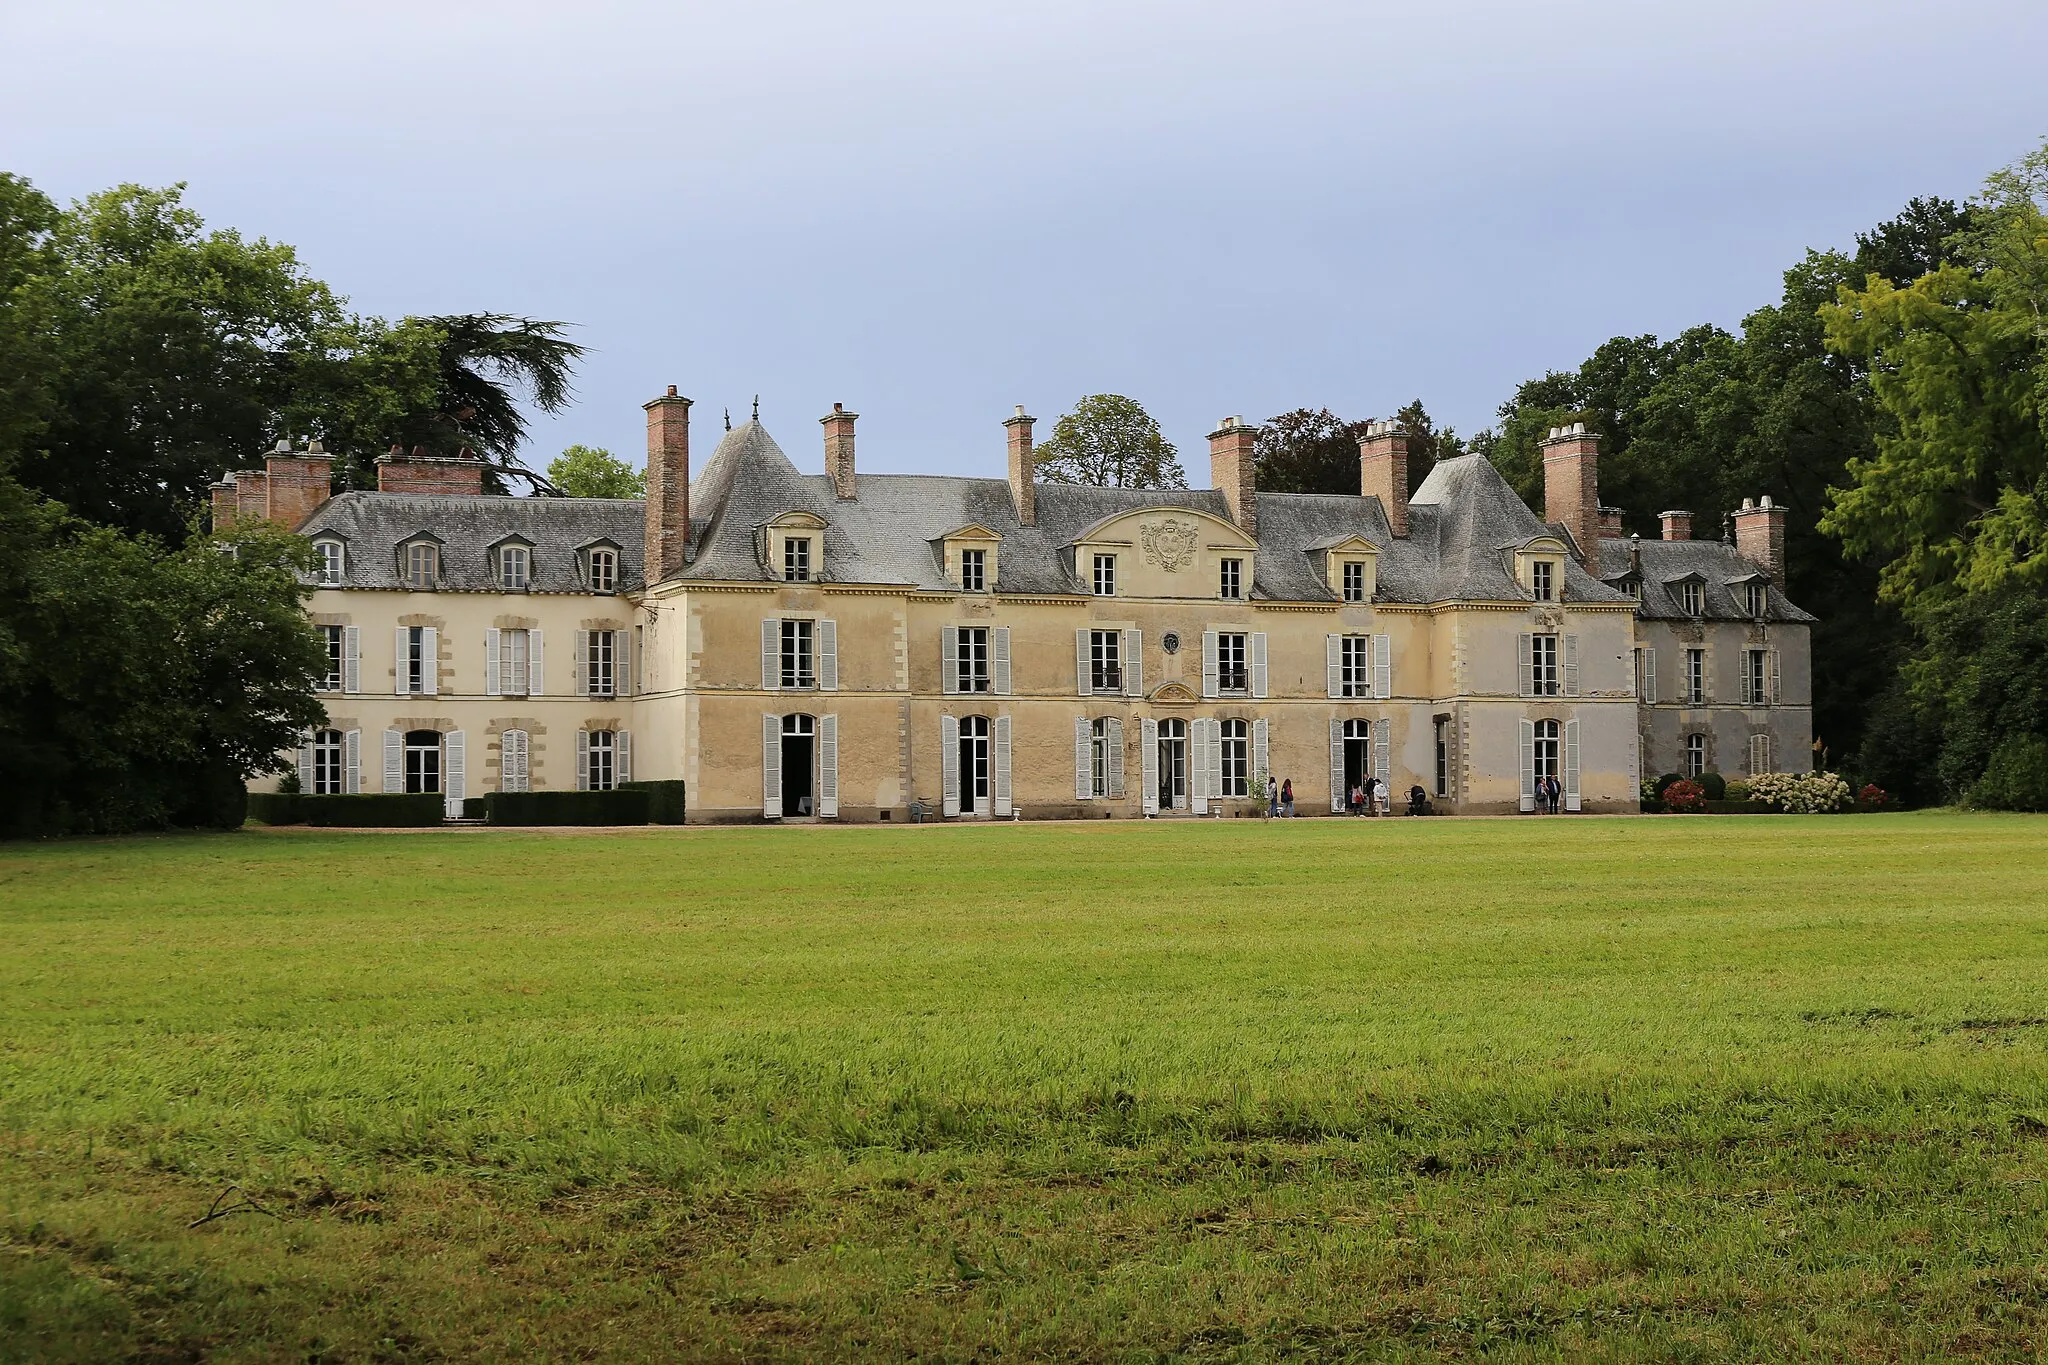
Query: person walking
(1272,797)
(1287,799)
(1372,805)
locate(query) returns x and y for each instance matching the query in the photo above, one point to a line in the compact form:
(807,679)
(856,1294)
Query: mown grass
(1622,1089)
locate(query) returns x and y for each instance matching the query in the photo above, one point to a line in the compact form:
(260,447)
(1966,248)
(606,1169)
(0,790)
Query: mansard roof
(1720,567)
(374,525)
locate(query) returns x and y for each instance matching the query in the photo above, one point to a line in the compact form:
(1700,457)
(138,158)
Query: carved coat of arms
(1168,543)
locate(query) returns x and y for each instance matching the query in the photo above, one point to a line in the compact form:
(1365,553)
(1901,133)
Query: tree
(1426,445)
(1308,451)
(591,472)
(1109,441)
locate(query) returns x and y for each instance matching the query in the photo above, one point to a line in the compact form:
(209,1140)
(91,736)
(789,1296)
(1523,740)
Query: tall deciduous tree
(1308,450)
(1110,441)
(590,472)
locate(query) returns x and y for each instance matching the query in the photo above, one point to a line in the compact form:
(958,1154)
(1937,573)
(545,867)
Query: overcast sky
(932,212)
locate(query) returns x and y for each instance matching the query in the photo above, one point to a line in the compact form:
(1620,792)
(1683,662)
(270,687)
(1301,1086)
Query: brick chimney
(1571,483)
(299,481)
(419,472)
(668,484)
(1232,469)
(1760,536)
(838,425)
(252,496)
(1023,467)
(1677,525)
(1383,470)
(1610,524)
(224,503)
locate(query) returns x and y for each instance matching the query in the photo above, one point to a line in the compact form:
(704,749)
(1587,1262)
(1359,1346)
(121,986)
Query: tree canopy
(591,472)
(1109,440)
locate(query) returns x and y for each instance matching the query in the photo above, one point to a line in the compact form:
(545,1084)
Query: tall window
(1354,581)
(1758,598)
(1105,655)
(514,750)
(603,772)
(796,559)
(1443,755)
(330,681)
(331,561)
(1232,579)
(1237,758)
(1543,670)
(1105,575)
(422,567)
(972,658)
(515,567)
(1546,749)
(422,761)
(328,775)
(1692,597)
(1230,669)
(601,664)
(416,663)
(798,669)
(974,570)
(514,651)
(1695,755)
(1541,581)
(974,764)
(1355,679)
(1695,677)
(604,570)
(1753,691)
(1098,757)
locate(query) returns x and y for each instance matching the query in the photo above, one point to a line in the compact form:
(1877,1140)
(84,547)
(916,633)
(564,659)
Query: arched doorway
(1357,755)
(1547,764)
(1173,764)
(974,765)
(799,772)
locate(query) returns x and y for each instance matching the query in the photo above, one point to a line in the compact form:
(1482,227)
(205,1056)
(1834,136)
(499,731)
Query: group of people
(1548,794)
(1370,797)
(1279,798)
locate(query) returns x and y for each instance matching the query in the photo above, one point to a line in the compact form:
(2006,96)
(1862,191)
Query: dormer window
(971,556)
(974,570)
(1354,580)
(1539,569)
(1692,597)
(1543,580)
(422,566)
(333,560)
(1230,579)
(604,570)
(796,559)
(1757,597)
(515,568)
(1105,575)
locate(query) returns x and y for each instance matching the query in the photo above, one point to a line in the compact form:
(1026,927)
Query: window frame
(1354,666)
(1546,665)
(335,639)
(1547,751)
(1756,675)
(1235,680)
(973,569)
(515,651)
(416,661)
(609,749)
(1443,756)
(1230,578)
(601,663)
(610,578)
(1543,580)
(1695,755)
(1235,758)
(796,559)
(1106,662)
(1695,676)
(1104,581)
(1098,759)
(418,552)
(973,656)
(330,763)
(799,654)
(1757,597)
(1692,597)
(333,561)
(1352,573)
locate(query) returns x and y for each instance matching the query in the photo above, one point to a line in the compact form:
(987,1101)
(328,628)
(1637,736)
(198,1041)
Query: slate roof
(1721,567)
(1464,525)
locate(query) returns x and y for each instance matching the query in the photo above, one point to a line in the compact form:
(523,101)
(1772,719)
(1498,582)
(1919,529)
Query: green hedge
(472,807)
(666,805)
(1739,808)
(379,810)
(621,807)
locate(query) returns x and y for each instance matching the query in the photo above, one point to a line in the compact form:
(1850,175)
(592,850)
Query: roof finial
(757,407)
(728,419)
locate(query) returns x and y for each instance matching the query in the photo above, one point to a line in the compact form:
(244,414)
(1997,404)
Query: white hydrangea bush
(1803,793)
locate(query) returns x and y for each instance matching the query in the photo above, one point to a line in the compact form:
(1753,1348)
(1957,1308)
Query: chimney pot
(1677,524)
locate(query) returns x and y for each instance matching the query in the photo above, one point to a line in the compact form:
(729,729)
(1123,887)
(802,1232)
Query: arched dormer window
(598,565)
(1539,569)
(419,562)
(1690,593)
(333,561)
(1350,566)
(512,564)
(792,547)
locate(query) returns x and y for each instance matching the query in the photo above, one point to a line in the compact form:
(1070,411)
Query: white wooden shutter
(1340,797)
(1084,760)
(622,756)
(1382,745)
(1571,765)
(1258,652)
(512,761)
(622,663)
(533,668)
(771,659)
(828,656)
(949,662)
(1525,666)
(1002,765)
(583,760)
(402,671)
(771,767)
(430,661)
(493,664)
(1084,677)
(1382,667)
(1528,757)
(1759,755)
(1134,664)
(1635,765)
(999,648)
(1215,747)
(949,766)
(1208,663)
(351,659)
(1706,676)
(1748,695)
(1198,764)
(1148,763)
(828,767)
(1571,665)
(394,760)
(1649,677)
(455,782)
(1114,740)
(1261,757)
(1333,664)
(1774,697)
(352,759)
(306,761)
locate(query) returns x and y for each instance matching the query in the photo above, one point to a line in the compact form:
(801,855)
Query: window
(1695,755)
(1546,750)
(422,761)
(972,658)
(515,567)
(513,752)
(796,559)
(974,764)
(600,663)
(974,570)
(798,662)
(1757,597)
(1443,755)
(328,763)
(1759,755)
(1105,660)
(1355,677)
(422,567)
(602,773)
(604,570)
(514,650)
(1237,758)
(1105,575)
(416,663)
(1230,669)
(331,560)
(1098,757)
(1543,670)
(1754,692)
(1695,677)
(1692,597)
(1354,581)
(330,681)
(1541,580)
(1232,579)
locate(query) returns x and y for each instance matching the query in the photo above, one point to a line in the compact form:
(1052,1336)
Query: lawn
(1676,1088)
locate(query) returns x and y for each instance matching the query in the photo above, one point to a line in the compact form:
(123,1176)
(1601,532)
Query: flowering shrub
(1686,798)
(1872,797)
(1802,793)
(1738,790)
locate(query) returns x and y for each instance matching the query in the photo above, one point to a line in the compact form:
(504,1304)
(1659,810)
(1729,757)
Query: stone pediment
(1172,694)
